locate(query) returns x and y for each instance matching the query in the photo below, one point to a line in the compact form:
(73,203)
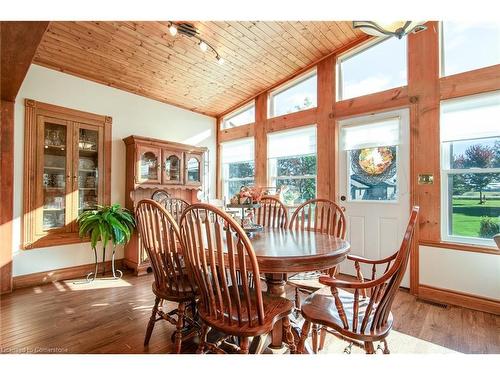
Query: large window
(295,96)
(470,162)
(242,116)
(238,167)
(469,45)
(374,67)
(292,163)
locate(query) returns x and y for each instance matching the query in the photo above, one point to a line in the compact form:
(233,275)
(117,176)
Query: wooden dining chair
(160,236)
(223,265)
(319,215)
(272,213)
(364,316)
(175,206)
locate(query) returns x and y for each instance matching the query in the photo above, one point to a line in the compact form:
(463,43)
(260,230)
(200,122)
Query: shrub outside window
(470,169)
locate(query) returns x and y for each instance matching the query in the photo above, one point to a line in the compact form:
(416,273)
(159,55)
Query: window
(242,116)
(469,45)
(292,164)
(238,167)
(377,67)
(372,160)
(296,96)
(470,168)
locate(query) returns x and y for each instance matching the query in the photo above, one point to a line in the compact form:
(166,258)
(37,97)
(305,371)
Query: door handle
(342,198)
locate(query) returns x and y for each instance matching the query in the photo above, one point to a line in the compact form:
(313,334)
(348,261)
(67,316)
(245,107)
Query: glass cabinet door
(172,167)
(54,166)
(148,164)
(193,169)
(88,164)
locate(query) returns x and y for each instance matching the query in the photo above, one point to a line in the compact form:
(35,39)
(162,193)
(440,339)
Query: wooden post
(423,90)
(326,129)
(260,131)
(7,193)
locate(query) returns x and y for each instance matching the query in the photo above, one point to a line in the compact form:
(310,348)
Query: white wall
(463,271)
(132,114)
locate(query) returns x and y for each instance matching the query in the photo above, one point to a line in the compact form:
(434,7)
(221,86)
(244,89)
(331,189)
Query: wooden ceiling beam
(19,41)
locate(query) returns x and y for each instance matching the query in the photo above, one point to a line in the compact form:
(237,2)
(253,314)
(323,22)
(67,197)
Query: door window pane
(375,68)
(469,45)
(373,174)
(297,96)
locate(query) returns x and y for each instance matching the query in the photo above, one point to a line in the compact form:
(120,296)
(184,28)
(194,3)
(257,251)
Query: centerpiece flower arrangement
(247,195)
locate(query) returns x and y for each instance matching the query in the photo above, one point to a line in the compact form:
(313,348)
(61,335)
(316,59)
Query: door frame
(406,113)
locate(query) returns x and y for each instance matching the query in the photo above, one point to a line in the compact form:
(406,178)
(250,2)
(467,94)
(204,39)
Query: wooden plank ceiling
(143,58)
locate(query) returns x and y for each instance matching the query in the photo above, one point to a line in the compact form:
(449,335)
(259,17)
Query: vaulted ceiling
(143,58)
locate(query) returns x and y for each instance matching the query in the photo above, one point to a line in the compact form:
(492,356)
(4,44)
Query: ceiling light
(189,30)
(395,28)
(172,29)
(203,46)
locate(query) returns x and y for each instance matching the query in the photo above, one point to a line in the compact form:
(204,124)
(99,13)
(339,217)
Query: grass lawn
(467,215)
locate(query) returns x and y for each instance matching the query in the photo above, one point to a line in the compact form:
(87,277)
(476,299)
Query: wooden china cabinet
(67,165)
(156,164)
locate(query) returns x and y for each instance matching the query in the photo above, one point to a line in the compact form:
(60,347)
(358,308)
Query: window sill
(461,247)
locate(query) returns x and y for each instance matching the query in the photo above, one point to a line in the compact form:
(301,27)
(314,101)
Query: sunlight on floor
(398,343)
(81,284)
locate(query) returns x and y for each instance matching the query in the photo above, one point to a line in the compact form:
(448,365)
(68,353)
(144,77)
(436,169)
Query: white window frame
(356,51)
(235,113)
(290,84)
(445,207)
(225,168)
(272,163)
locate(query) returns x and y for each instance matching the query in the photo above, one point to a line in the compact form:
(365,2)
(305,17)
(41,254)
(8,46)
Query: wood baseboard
(40,278)
(453,297)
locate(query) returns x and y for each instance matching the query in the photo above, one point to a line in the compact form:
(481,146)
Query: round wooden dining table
(284,251)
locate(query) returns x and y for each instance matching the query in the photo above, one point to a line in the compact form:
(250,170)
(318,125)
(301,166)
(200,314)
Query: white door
(374,171)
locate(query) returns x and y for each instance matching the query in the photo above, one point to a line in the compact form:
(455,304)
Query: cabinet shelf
(55,168)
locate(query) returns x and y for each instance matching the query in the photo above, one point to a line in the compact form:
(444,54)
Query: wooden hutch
(156,164)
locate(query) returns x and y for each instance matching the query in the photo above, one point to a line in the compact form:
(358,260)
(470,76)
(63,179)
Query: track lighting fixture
(188,29)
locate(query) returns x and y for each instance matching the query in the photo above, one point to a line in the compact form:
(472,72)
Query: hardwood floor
(111,317)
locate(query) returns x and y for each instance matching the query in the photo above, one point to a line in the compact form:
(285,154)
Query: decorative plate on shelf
(376,160)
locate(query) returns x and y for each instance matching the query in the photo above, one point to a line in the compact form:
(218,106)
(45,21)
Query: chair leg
(180,324)
(289,335)
(244,344)
(386,347)
(203,338)
(322,337)
(303,336)
(314,338)
(152,321)
(369,349)
(297,299)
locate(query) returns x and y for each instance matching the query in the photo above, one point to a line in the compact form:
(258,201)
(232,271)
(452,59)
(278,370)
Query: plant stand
(117,274)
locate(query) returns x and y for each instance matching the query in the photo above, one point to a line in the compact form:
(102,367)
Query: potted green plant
(106,223)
